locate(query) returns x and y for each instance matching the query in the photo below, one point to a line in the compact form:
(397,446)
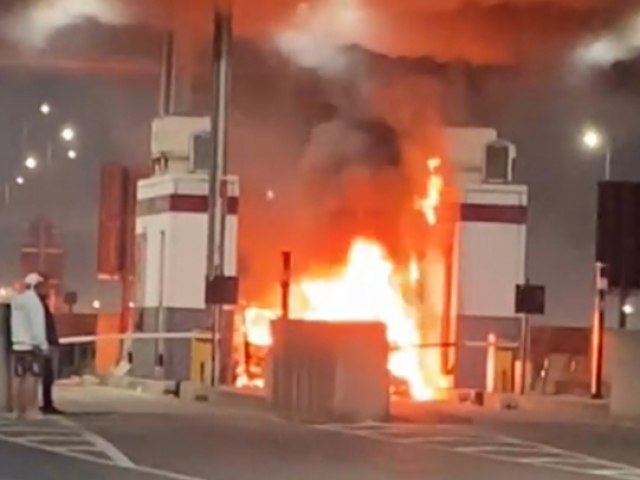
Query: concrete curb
(149,386)
(549,404)
(237,397)
(228,397)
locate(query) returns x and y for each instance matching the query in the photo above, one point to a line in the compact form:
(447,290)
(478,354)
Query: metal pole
(167,74)
(222,36)
(607,164)
(597,334)
(524,353)
(286,284)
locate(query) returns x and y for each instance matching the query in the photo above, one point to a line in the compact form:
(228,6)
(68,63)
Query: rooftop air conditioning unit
(499,162)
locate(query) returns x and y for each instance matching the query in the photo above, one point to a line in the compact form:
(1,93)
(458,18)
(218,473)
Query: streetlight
(20,180)
(68,134)
(628,309)
(96,304)
(593,139)
(31,163)
(45,108)
(72,154)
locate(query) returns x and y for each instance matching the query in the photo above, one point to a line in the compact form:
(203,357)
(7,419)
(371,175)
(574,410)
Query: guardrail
(491,345)
(135,336)
(207,336)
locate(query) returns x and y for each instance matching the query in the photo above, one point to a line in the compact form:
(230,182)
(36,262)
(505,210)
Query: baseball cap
(33,279)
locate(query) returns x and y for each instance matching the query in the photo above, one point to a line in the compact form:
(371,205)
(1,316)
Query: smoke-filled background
(322,85)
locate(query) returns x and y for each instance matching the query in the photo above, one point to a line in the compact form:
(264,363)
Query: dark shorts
(26,363)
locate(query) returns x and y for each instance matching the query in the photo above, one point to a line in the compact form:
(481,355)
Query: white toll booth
(489,260)
(171,250)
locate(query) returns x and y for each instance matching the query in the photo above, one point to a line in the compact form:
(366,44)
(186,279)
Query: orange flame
(435,184)
(370,287)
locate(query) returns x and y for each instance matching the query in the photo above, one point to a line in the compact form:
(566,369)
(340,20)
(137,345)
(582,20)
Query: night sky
(542,113)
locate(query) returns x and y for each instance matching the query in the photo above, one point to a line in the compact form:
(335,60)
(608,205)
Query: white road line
(44,434)
(494,447)
(52,438)
(100,443)
(31,428)
(108,463)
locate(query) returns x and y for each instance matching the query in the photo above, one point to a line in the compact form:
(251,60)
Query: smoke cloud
(32,25)
(316,33)
(478,31)
(619,43)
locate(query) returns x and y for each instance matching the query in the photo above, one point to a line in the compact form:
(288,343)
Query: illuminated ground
(200,442)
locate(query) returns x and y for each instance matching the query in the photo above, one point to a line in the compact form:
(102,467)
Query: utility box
(327,372)
(625,374)
(201,355)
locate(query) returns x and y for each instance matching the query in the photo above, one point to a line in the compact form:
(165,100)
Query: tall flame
(371,287)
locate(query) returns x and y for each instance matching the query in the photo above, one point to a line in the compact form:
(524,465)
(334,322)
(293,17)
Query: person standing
(49,360)
(28,345)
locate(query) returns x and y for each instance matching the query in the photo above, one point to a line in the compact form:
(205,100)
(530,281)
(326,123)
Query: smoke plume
(619,43)
(315,35)
(32,25)
(478,31)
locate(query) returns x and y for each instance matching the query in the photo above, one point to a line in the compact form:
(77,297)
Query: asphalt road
(148,438)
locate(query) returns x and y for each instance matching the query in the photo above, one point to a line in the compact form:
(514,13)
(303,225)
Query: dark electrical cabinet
(618,233)
(530,299)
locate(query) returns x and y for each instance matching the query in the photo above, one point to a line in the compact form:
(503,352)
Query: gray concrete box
(624,368)
(323,371)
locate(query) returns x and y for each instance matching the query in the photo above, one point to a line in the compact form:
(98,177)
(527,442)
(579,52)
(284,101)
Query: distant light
(132,304)
(271,195)
(96,304)
(628,309)
(592,139)
(4,292)
(68,134)
(31,163)
(45,108)
(72,154)
(20,180)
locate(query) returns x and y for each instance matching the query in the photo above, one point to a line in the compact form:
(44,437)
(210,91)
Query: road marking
(61,435)
(101,444)
(470,441)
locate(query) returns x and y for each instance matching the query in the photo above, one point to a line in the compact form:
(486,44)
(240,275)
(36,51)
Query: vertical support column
(4,358)
(524,355)
(492,350)
(286,284)
(597,333)
(222,38)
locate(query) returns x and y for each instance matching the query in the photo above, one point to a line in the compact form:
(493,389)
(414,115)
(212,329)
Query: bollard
(491,363)
(4,358)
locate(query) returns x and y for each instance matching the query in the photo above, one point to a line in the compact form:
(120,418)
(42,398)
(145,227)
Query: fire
(369,286)
(435,184)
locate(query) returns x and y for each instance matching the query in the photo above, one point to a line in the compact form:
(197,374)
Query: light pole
(593,140)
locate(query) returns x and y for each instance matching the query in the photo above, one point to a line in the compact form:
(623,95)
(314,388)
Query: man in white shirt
(28,345)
